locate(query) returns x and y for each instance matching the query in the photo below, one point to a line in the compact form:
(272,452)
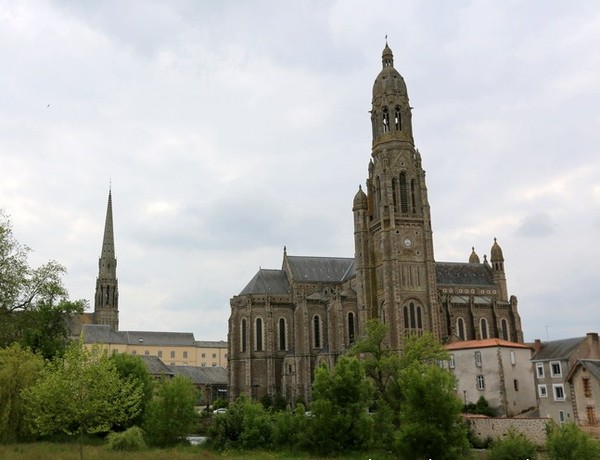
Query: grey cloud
(537,226)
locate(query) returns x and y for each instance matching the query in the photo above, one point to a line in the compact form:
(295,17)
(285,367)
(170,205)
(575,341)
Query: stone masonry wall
(533,428)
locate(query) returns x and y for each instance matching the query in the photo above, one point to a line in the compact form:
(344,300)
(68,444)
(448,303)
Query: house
(211,382)
(552,363)
(496,369)
(584,381)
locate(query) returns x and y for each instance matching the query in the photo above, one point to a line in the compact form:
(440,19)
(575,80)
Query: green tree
(341,398)
(133,369)
(515,446)
(19,369)
(568,442)
(81,393)
(170,415)
(34,304)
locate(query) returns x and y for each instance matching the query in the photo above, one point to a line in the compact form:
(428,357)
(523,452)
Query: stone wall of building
(496,428)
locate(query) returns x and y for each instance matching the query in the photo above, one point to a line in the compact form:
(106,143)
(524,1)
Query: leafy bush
(515,446)
(129,440)
(289,429)
(570,443)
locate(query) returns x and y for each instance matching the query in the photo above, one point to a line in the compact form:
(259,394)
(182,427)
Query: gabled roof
(464,274)
(155,365)
(321,269)
(201,375)
(100,333)
(158,338)
(487,343)
(267,281)
(557,349)
(211,344)
(591,365)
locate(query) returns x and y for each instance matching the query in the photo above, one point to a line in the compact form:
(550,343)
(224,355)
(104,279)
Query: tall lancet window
(351,327)
(397,119)
(413,196)
(317,331)
(386,120)
(244,334)
(403,194)
(504,332)
(484,328)
(259,334)
(413,320)
(395,193)
(282,341)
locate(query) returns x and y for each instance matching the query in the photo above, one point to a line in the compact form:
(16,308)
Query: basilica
(286,322)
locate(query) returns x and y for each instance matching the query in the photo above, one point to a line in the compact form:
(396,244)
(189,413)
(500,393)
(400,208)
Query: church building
(287,321)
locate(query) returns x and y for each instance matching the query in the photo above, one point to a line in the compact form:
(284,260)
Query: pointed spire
(108,242)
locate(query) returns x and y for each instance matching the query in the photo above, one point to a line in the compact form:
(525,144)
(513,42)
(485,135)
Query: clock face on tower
(407,242)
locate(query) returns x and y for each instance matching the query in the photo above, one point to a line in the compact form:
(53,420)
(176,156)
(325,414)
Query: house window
(351,327)
(561,416)
(214,355)
(460,328)
(451,362)
(243,336)
(591,415)
(483,327)
(559,391)
(542,391)
(282,334)
(259,334)
(587,387)
(555,370)
(204,355)
(185,355)
(480,382)
(539,370)
(516,384)
(478,358)
(172,354)
(317,331)
(513,358)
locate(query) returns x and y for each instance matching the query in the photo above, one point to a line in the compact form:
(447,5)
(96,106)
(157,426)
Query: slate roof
(158,338)
(267,281)
(592,365)
(155,365)
(211,344)
(487,343)
(557,349)
(100,333)
(201,375)
(321,269)
(457,273)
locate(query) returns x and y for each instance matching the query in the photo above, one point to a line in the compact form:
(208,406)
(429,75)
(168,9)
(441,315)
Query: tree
(171,415)
(132,368)
(339,409)
(81,393)
(34,305)
(568,442)
(19,369)
(515,446)
(430,421)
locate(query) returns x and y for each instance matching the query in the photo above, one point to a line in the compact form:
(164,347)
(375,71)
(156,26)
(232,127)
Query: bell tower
(106,300)
(392,225)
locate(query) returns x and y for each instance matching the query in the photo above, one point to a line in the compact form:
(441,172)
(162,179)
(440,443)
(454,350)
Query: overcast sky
(229,129)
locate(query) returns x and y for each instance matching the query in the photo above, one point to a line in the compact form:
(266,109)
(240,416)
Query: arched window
(395,193)
(397,119)
(413,196)
(351,327)
(413,320)
(259,334)
(505,332)
(244,334)
(483,328)
(282,328)
(317,331)
(460,328)
(403,194)
(378,190)
(386,120)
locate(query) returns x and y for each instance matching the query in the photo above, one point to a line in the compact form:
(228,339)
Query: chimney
(537,346)
(594,344)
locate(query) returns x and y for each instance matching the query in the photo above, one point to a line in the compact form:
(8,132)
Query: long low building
(173,348)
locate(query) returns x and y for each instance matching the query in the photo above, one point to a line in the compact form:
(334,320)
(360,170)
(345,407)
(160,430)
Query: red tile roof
(487,343)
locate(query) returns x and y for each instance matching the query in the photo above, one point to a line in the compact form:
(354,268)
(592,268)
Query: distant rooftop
(486,343)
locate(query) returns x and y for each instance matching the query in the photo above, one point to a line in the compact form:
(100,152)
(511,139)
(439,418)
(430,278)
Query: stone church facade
(286,321)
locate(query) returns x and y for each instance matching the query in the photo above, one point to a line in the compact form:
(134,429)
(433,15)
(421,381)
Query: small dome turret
(389,79)
(360,200)
(496,253)
(474,258)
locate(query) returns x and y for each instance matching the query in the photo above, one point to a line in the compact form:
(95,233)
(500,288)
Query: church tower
(395,266)
(106,300)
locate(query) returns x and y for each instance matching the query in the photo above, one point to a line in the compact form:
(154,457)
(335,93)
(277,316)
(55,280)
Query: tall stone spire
(106,300)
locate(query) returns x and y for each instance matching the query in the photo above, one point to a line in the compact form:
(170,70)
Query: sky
(227,130)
